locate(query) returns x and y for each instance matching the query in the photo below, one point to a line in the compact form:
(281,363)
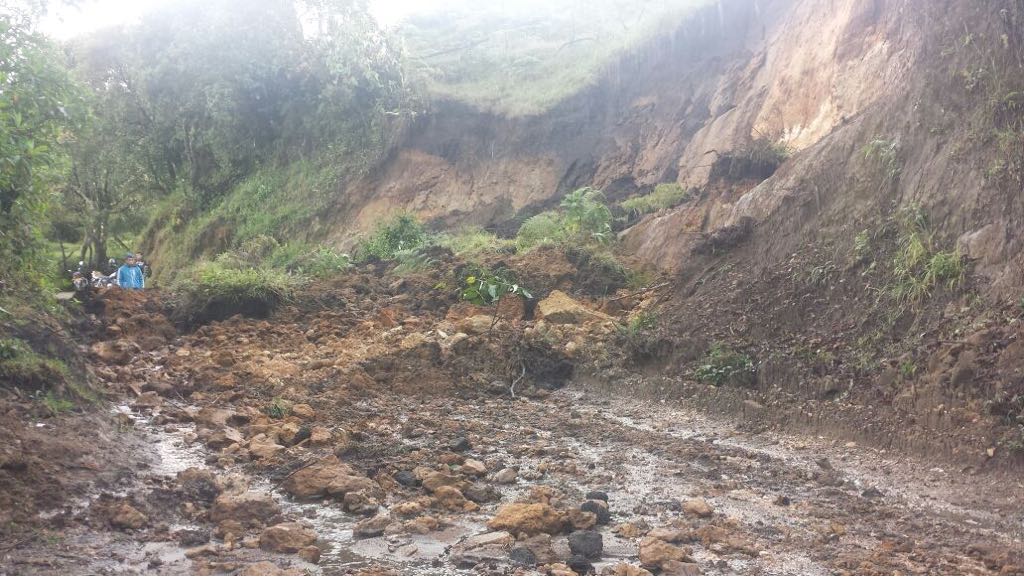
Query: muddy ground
(376,427)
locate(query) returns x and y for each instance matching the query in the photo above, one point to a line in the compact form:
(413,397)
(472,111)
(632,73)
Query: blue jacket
(130,277)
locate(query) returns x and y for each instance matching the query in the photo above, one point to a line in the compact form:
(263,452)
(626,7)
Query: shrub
(586,216)
(322,262)
(488,288)
(917,267)
(215,292)
(402,232)
(665,195)
(412,260)
(544,228)
(722,366)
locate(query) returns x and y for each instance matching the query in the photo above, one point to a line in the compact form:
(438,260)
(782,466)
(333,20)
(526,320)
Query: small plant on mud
(473,241)
(665,195)
(56,405)
(402,232)
(412,260)
(887,154)
(277,409)
(917,267)
(722,366)
(862,249)
(323,262)
(488,288)
(643,321)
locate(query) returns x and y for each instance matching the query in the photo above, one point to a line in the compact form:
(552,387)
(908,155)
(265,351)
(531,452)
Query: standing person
(146,270)
(130,276)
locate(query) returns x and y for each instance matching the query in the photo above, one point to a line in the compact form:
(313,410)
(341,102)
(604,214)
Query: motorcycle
(100,280)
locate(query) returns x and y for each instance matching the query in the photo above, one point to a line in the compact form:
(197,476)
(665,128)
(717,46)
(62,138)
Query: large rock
(680,568)
(452,499)
(626,570)
(589,544)
(286,538)
(434,481)
(486,548)
(654,553)
(128,517)
(528,518)
(372,527)
(560,308)
(329,477)
(598,508)
(260,447)
(698,508)
(198,485)
(118,352)
(249,509)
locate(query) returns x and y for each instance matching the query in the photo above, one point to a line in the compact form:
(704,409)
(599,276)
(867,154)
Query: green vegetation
(887,154)
(214,291)
(471,242)
(724,366)
(642,321)
(278,409)
(402,232)
(582,218)
(665,195)
(917,266)
(56,405)
(488,288)
(507,58)
(23,367)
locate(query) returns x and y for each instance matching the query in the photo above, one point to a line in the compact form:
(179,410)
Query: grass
(917,267)
(665,195)
(522,58)
(215,291)
(472,241)
(23,367)
(403,232)
(724,366)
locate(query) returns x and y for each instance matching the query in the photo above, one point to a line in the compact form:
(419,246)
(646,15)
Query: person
(130,276)
(146,271)
(111,267)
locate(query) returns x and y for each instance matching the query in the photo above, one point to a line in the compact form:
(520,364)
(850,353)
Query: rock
(250,509)
(698,508)
(198,485)
(359,503)
(589,544)
(560,308)
(452,499)
(262,568)
(407,509)
(303,411)
(221,439)
(310,554)
(506,476)
(669,534)
(632,530)
(286,538)
(580,565)
(434,481)
(541,547)
(148,400)
(481,493)
(406,479)
(522,556)
(192,537)
(291,433)
(680,568)
(320,436)
(213,417)
(260,447)
(328,477)
(871,493)
(598,495)
(422,525)
(626,570)
(580,519)
(485,548)
(655,552)
(128,517)
(113,352)
(372,527)
(528,518)
(560,569)
(474,325)
(461,445)
(162,388)
(599,508)
(474,468)
(783,501)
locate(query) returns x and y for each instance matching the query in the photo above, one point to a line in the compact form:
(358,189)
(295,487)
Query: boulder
(560,308)
(128,517)
(528,518)
(372,527)
(117,352)
(698,508)
(598,508)
(286,538)
(359,503)
(626,570)
(310,554)
(303,411)
(580,565)
(589,544)
(249,509)
(474,468)
(260,447)
(522,556)
(580,519)
(328,477)
(434,481)
(486,548)
(506,476)
(262,568)
(654,553)
(680,568)
(452,499)
(198,485)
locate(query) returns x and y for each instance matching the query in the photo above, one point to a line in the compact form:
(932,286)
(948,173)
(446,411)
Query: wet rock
(260,447)
(680,568)
(599,508)
(486,548)
(589,544)
(358,503)
(406,479)
(654,553)
(560,308)
(192,537)
(286,538)
(198,485)
(310,554)
(481,493)
(474,468)
(452,499)
(372,527)
(522,556)
(580,565)
(633,529)
(262,568)
(128,517)
(626,570)
(528,518)
(249,509)
(506,476)
(461,445)
(698,508)
(598,495)
(434,481)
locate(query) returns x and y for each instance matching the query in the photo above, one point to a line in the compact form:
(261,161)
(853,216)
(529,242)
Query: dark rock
(580,565)
(461,445)
(589,544)
(872,493)
(824,463)
(598,495)
(783,501)
(481,493)
(522,556)
(599,508)
(193,537)
(406,479)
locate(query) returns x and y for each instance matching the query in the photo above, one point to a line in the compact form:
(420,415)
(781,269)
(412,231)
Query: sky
(67,22)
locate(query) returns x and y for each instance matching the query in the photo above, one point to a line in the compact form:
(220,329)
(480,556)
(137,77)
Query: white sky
(66,22)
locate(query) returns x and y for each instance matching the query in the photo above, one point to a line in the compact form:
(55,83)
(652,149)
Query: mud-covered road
(381,438)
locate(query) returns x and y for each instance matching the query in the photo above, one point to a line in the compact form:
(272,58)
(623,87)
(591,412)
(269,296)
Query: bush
(665,195)
(488,288)
(216,292)
(583,217)
(402,232)
(723,366)
(472,241)
(542,229)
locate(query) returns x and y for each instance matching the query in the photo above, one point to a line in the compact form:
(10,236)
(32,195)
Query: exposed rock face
(560,308)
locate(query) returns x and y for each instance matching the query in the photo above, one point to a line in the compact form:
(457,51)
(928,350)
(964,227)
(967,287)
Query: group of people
(131,275)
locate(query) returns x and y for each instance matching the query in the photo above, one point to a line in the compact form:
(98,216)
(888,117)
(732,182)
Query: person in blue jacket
(130,276)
